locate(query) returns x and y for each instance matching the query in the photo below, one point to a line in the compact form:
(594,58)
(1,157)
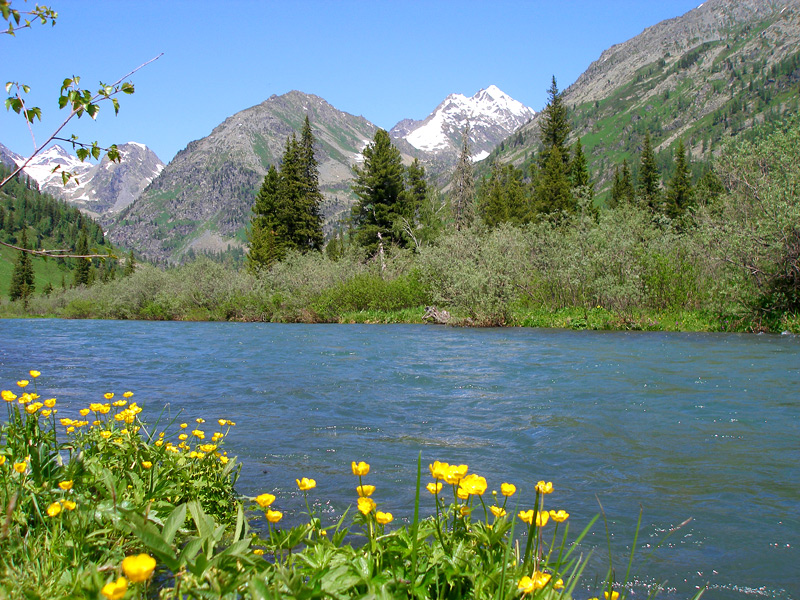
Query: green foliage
(22,281)
(463,186)
(680,194)
(382,200)
(649,191)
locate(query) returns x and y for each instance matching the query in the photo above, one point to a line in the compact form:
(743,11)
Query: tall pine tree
(22,279)
(380,190)
(553,183)
(649,178)
(622,190)
(463,187)
(680,194)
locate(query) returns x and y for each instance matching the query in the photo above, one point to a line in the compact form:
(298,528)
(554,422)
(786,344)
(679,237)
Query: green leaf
(9,85)
(258,589)
(173,523)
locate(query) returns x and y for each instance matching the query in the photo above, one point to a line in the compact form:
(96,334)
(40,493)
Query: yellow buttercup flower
(306,484)
(184,425)
(542,518)
(138,568)
(207,448)
(434,488)
(116,589)
(360,469)
(54,509)
(498,511)
(464,510)
(20,467)
(65,485)
(119,403)
(507,489)
(455,473)
(108,396)
(614,595)
(273,516)
(127,394)
(438,469)
(223,460)
(46,412)
(50,402)
(199,434)
(8,395)
(366,505)
(68,504)
(559,516)
(25,398)
(473,484)
(544,488)
(147,465)
(384,518)
(526,516)
(528,585)
(222,422)
(265,500)
(200,420)
(33,407)
(84,412)
(365,490)
(105,434)
(22,383)
(183,436)
(2,459)
(34,374)
(258,552)
(462,494)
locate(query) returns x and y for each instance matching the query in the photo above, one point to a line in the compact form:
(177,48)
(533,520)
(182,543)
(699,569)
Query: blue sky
(385,60)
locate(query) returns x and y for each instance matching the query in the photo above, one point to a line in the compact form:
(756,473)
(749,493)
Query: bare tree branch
(55,253)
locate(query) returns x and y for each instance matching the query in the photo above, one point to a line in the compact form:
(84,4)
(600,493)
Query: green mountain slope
(705,76)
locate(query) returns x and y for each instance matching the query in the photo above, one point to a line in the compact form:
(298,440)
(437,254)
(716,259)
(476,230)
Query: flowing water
(700,426)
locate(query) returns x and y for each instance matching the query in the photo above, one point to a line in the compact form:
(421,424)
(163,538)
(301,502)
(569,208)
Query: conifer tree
(22,279)
(622,190)
(83,267)
(130,265)
(263,237)
(553,182)
(463,186)
(380,190)
(649,178)
(417,187)
(579,170)
(310,232)
(680,194)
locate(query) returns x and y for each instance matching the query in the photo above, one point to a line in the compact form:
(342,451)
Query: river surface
(700,426)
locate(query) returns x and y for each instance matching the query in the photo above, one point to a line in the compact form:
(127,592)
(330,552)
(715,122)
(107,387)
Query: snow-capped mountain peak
(492,116)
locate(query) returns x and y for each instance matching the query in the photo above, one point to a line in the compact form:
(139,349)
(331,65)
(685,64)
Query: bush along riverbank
(107,504)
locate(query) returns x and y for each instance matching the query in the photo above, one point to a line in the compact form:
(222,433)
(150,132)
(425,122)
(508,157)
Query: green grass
(45,271)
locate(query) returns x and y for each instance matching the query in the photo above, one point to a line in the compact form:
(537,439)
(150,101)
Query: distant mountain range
(100,189)
(705,76)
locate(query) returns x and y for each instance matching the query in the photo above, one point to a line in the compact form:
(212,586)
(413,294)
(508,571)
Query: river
(700,426)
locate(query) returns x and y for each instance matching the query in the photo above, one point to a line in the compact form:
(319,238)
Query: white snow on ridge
(479,156)
(489,108)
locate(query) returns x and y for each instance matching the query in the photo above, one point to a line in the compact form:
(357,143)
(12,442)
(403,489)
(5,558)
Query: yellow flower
(54,509)
(84,412)
(366,505)
(498,511)
(222,422)
(184,425)
(438,469)
(508,489)
(8,395)
(2,459)
(20,467)
(68,504)
(115,590)
(306,484)
(531,584)
(127,394)
(258,552)
(50,402)
(434,488)
(365,490)
(265,500)
(473,484)
(105,434)
(542,518)
(65,485)
(360,468)
(223,460)
(614,595)
(199,434)
(32,408)
(273,516)
(34,374)
(25,398)
(462,494)
(46,412)
(147,465)
(384,518)
(70,429)
(183,436)
(22,383)
(200,420)
(455,473)
(465,510)
(120,403)
(108,396)
(559,516)
(526,516)
(207,448)
(138,568)
(544,488)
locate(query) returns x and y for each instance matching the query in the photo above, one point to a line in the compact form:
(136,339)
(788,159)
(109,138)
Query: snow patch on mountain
(492,116)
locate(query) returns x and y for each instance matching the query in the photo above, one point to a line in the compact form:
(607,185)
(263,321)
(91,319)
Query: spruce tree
(130,265)
(553,182)
(380,190)
(622,190)
(83,267)
(309,233)
(680,194)
(463,194)
(649,178)
(263,236)
(417,187)
(22,278)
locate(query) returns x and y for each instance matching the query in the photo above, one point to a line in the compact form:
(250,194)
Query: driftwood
(434,315)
